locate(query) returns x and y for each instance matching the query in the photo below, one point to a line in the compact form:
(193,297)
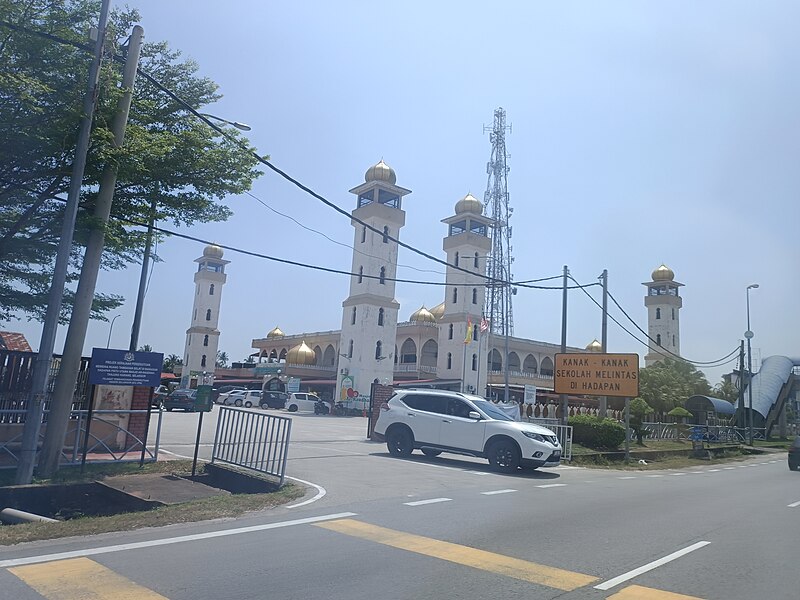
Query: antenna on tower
(496,206)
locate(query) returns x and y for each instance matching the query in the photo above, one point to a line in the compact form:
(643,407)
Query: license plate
(556,454)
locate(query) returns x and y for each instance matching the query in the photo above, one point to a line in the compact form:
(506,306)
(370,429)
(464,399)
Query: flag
(468,338)
(484,326)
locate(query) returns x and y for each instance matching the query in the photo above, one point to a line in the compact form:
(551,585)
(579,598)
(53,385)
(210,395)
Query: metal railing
(563,432)
(711,433)
(110,439)
(253,440)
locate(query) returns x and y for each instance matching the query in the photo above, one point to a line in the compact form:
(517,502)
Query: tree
(249,360)
(222,359)
(726,390)
(145,348)
(169,157)
(669,383)
(639,409)
(172,361)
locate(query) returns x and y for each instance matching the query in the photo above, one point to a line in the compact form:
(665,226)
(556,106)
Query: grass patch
(658,454)
(93,472)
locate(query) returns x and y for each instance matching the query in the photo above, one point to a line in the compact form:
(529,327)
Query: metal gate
(563,432)
(253,440)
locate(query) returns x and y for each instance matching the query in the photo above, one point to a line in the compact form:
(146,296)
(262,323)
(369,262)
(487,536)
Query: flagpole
(464,367)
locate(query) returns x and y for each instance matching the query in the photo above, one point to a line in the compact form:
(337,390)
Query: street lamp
(110,329)
(237,124)
(749,335)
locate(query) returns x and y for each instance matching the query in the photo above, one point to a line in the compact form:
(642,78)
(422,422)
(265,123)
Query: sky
(641,133)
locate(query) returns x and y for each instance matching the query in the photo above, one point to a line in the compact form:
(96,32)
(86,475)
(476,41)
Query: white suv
(302,401)
(438,421)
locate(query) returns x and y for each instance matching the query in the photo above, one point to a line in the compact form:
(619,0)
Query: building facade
(202,337)
(663,304)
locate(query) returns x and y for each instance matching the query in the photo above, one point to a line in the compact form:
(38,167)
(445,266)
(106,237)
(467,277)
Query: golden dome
(212,251)
(663,273)
(275,333)
(595,346)
(422,315)
(438,311)
(301,355)
(381,172)
(469,203)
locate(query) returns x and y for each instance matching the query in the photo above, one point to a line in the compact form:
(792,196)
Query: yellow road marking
(80,578)
(463,555)
(637,592)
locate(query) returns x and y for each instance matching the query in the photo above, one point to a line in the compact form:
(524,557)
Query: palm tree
(172,361)
(222,359)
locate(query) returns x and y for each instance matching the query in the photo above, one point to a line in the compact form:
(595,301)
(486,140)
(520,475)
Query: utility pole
(563,397)
(79,320)
(41,370)
(741,420)
(604,337)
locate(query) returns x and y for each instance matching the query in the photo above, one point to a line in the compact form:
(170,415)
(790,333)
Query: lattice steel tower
(496,205)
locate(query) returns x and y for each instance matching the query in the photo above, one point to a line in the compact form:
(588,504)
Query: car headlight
(533,436)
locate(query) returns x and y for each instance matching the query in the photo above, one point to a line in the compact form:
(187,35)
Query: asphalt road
(447,528)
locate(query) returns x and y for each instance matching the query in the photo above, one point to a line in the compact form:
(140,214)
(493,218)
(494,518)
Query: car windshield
(491,410)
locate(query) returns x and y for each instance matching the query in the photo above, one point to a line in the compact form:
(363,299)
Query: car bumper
(544,460)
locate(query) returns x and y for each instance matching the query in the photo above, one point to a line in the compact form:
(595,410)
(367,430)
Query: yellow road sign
(597,374)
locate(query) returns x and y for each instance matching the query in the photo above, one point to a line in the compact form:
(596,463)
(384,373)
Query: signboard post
(121,367)
(600,375)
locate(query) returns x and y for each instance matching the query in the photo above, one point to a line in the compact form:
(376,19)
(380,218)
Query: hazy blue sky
(643,132)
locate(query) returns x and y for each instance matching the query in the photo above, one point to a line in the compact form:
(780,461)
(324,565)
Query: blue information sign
(120,367)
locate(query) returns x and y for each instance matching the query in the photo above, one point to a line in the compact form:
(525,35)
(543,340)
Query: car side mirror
(474,414)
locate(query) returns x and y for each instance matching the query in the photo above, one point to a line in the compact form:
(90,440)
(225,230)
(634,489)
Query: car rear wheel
(237,403)
(794,466)
(264,405)
(504,457)
(400,441)
(293,408)
(431,452)
(248,404)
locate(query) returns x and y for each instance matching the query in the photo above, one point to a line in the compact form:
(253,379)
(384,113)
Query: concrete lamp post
(749,335)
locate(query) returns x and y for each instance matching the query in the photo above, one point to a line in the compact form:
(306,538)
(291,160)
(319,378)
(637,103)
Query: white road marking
(607,585)
(497,492)
(320,492)
(728,468)
(655,475)
(714,470)
(793,505)
(478,473)
(676,474)
(627,477)
(772,462)
(31,560)
(431,501)
(551,485)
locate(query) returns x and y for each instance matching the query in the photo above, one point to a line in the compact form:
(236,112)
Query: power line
(721,361)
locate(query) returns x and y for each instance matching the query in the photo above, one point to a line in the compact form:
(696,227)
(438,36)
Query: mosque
(444,346)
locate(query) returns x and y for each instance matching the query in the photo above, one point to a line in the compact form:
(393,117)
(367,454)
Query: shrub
(595,432)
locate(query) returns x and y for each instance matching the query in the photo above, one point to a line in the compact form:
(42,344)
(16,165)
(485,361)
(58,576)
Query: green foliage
(168,156)
(639,409)
(222,359)
(669,383)
(596,432)
(726,390)
(170,362)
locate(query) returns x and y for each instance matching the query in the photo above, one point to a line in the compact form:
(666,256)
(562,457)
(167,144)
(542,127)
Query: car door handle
(446,421)
(410,414)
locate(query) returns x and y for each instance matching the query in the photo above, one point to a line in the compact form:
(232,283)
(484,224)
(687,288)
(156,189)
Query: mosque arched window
(353,317)
(658,339)
(382,279)
(350,350)
(449,360)
(474,295)
(380,317)
(474,362)
(360,274)
(208,315)
(363,234)
(385,234)
(378,350)
(205,340)
(475,263)
(203,361)
(450,332)
(658,313)
(455,262)
(455,295)
(211,290)
(673,314)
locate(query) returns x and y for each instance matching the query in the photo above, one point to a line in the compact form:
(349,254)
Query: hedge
(595,432)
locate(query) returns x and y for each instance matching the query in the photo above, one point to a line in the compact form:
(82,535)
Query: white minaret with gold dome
(369,314)
(663,304)
(202,337)
(467,243)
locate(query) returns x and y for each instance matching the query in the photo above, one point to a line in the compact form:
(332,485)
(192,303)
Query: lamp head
(752,286)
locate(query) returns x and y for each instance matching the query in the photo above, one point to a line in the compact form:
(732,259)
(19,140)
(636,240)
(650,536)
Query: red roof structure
(15,342)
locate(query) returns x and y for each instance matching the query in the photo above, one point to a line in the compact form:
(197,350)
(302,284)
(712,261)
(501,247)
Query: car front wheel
(238,403)
(504,457)
(400,441)
(248,404)
(293,408)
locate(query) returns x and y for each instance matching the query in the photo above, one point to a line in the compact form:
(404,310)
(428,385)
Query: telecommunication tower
(496,205)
